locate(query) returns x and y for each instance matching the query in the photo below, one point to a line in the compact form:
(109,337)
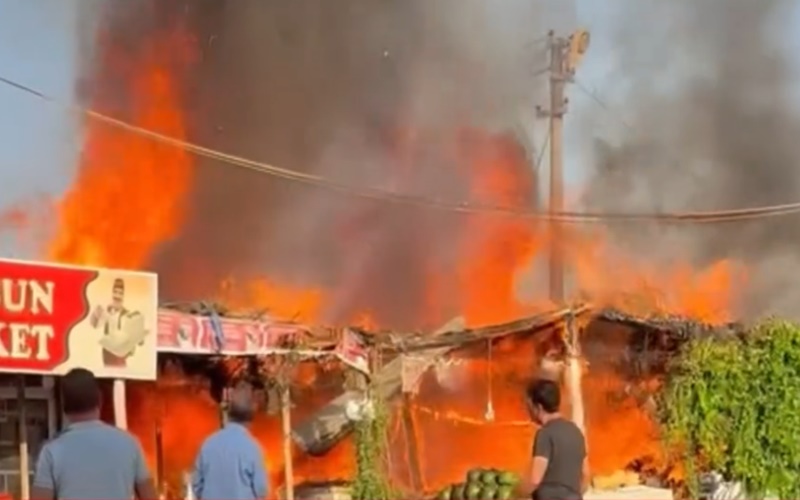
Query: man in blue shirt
(230,465)
(90,460)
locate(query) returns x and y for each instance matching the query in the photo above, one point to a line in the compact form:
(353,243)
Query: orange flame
(496,248)
(129,197)
(129,194)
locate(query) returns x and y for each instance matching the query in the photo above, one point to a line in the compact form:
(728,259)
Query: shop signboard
(54,318)
(183,333)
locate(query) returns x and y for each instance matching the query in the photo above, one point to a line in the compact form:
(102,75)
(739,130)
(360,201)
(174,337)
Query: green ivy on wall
(733,406)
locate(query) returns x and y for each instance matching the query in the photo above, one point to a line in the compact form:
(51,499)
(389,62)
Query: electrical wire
(390,197)
(594,96)
(540,72)
(540,158)
(705,217)
(537,41)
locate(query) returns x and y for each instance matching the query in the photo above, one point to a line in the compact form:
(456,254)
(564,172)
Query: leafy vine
(372,480)
(733,406)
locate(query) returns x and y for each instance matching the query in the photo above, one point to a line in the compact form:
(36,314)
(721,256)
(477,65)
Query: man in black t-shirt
(559,469)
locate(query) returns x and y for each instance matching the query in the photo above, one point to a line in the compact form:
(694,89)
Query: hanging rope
(489,415)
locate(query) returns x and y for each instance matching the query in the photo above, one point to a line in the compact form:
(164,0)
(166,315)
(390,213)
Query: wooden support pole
(187,481)
(410,434)
(573,373)
(24,464)
(161,483)
(160,458)
(120,407)
(286,423)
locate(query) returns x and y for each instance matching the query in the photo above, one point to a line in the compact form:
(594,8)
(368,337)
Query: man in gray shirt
(559,469)
(90,460)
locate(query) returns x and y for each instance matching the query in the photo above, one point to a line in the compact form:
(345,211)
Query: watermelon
(458,492)
(507,478)
(474,476)
(445,494)
(505,492)
(488,493)
(472,491)
(489,478)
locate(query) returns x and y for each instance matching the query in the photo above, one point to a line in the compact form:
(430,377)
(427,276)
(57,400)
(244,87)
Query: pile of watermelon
(482,484)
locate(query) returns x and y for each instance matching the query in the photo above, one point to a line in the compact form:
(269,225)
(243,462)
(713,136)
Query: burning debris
(678,327)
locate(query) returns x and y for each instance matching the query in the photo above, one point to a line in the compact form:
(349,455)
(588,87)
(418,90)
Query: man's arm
(198,475)
(143,484)
(259,473)
(44,478)
(542,451)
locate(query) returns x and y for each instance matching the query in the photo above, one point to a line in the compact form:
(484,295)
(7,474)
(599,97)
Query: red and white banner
(183,333)
(194,334)
(54,318)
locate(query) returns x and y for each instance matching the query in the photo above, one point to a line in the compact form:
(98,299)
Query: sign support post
(24,465)
(120,408)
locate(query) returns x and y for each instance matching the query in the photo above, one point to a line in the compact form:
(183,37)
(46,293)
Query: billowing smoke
(368,93)
(713,127)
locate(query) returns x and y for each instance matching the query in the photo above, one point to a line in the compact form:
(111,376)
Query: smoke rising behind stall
(345,92)
(712,125)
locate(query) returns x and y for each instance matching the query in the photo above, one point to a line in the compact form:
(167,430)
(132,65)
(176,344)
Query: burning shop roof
(627,357)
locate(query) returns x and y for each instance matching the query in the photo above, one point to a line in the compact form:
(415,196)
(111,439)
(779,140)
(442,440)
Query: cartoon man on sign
(123,330)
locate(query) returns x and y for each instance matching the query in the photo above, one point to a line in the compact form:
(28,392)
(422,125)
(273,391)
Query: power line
(540,158)
(708,217)
(593,95)
(540,72)
(538,41)
(389,197)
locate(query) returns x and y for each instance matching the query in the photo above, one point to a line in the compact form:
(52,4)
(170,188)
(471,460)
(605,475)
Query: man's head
(543,398)
(80,394)
(241,405)
(118,292)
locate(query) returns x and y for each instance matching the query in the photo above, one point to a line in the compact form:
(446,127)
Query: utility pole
(564,56)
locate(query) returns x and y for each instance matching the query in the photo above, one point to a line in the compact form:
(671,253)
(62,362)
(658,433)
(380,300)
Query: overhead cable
(391,197)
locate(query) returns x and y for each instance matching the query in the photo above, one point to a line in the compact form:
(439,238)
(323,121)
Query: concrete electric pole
(565,53)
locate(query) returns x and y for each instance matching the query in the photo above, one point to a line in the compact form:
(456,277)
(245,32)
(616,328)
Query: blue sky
(40,141)
(36,48)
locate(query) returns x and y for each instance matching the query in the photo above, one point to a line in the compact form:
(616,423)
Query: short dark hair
(80,392)
(544,393)
(240,404)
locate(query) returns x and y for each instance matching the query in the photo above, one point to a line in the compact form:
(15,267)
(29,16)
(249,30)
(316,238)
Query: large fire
(130,195)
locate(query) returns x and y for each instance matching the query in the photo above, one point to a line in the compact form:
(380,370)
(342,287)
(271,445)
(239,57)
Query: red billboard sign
(54,318)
